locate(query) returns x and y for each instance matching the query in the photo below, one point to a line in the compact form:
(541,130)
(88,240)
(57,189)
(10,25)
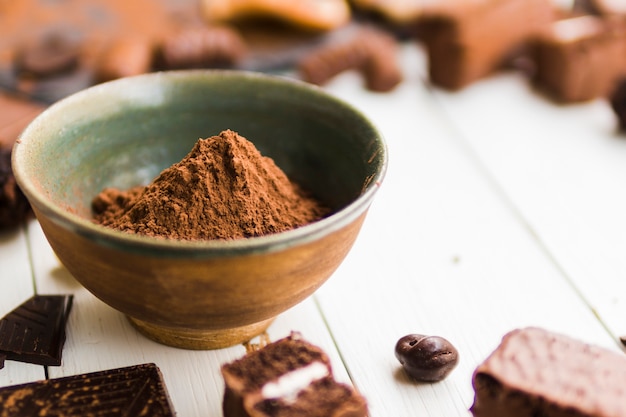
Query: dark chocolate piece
(132,391)
(52,54)
(580,58)
(534,372)
(601,7)
(617,100)
(426,358)
(34,332)
(370,51)
(2,359)
(475,39)
(14,207)
(15,114)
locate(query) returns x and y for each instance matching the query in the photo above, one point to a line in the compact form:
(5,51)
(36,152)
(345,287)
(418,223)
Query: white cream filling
(576,28)
(288,386)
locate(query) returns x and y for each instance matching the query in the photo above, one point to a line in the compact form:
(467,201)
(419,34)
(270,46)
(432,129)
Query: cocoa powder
(223,189)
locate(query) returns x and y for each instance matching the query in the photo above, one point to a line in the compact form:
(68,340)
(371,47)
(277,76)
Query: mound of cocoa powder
(223,189)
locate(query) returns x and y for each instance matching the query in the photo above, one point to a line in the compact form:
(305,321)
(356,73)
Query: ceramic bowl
(198,294)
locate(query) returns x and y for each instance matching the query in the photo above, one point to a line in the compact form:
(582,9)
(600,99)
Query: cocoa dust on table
(223,189)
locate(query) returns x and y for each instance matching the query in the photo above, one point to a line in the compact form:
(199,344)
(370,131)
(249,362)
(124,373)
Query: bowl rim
(149,245)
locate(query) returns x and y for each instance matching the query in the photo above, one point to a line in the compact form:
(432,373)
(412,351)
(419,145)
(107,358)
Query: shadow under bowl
(198,294)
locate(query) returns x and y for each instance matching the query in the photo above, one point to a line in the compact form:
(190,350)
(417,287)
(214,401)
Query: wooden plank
(16,286)
(447,249)
(101,338)
(562,168)
(442,252)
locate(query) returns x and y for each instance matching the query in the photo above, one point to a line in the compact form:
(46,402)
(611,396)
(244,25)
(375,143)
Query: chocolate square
(580,58)
(474,40)
(137,390)
(34,332)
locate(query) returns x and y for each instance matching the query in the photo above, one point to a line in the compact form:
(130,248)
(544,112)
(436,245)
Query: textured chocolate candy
(426,358)
(34,332)
(49,55)
(132,391)
(536,372)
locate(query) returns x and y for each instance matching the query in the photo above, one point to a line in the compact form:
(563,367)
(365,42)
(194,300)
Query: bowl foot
(200,339)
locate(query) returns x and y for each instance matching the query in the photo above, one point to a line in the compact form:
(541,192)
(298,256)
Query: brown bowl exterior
(198,294)
(201,296)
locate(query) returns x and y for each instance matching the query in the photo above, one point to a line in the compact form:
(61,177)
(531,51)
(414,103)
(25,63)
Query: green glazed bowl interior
(125,132)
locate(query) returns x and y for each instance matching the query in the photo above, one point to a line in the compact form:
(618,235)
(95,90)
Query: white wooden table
(499,210)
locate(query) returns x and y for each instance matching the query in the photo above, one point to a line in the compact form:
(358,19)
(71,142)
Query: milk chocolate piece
(125,57)
(534,372)
(474,40)
(203,47)
(580,58)
(52,54)
(34,332)
(289,377)
(132,391)
(370,51)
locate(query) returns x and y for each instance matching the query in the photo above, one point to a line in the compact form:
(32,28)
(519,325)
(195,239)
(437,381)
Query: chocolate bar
(476,39)
(34,332)
(137,390)
(535,372)
(580,58)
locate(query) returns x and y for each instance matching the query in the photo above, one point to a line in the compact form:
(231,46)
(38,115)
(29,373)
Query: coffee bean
(426,358)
